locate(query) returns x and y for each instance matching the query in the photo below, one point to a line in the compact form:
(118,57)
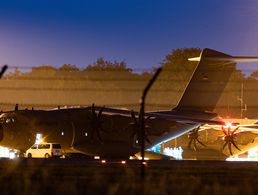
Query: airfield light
(123,162)
(103,161)
(96,157)
(228,124)
(140,158)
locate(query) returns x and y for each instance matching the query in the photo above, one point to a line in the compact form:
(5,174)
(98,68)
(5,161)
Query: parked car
(44,150)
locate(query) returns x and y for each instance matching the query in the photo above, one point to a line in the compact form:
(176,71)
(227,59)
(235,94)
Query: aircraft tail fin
(208,81)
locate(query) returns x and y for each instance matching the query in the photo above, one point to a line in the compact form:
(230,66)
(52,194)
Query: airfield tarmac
(83,176)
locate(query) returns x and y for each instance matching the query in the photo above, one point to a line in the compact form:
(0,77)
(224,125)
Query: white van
(44,150)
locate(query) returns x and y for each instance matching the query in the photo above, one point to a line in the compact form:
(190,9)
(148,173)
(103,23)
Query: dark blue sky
(140,32)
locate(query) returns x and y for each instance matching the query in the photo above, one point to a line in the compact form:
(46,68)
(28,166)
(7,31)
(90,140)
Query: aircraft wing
(172,115)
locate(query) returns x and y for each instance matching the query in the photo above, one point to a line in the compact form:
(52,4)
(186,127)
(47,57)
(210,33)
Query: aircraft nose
(1,131)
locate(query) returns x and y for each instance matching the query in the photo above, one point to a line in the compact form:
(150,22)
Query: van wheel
(47,155)
(29,155)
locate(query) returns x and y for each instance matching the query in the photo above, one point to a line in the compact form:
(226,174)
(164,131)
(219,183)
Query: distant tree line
(107,76)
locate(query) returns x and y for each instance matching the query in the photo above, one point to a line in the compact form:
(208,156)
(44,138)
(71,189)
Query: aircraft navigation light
(228,125)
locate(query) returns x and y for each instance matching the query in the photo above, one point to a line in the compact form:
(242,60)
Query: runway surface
(83,176)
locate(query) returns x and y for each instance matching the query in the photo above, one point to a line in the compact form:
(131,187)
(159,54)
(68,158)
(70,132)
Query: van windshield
(57,146)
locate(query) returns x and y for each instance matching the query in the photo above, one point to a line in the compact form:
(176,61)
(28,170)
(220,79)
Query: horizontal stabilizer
(225,59)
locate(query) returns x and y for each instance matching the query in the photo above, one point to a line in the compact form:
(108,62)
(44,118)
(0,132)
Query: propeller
(136,127)
(193,137)
(96,123)
(229,139)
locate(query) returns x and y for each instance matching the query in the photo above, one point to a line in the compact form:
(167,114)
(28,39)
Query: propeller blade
(232,133)
(190,143)
(230,148)
(224,145)
(93,110)
(147,139)
(196,130)
(224,131)
(233,142)
(134,131)
(229,130)
(147,118)
(200,142)
(195,147)
(100,112)
(98,135)
(133,116)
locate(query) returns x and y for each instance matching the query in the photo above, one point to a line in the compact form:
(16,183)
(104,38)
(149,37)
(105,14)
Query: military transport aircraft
(112,132)
(216,141)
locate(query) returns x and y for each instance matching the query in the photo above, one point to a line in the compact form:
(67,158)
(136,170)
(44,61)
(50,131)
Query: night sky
(141,32)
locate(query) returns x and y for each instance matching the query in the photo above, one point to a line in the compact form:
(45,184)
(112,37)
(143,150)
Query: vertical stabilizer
(207,82)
